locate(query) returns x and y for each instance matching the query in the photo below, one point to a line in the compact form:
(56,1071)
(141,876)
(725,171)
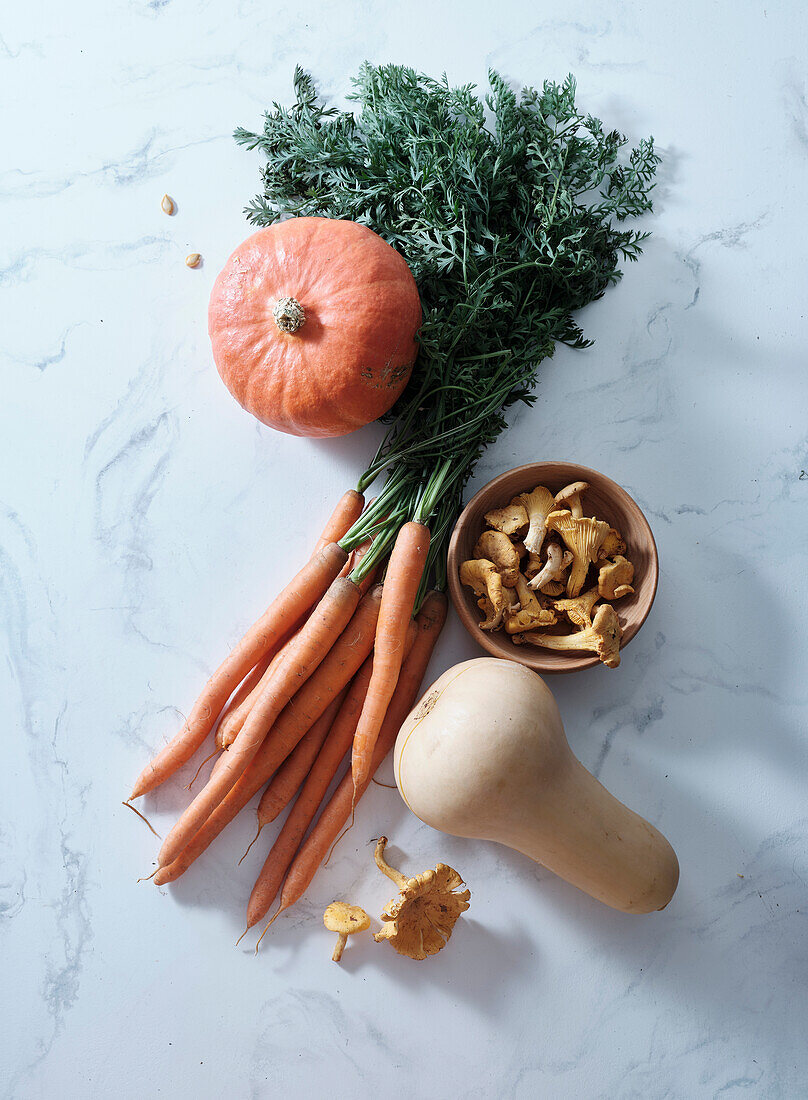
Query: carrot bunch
(333,665)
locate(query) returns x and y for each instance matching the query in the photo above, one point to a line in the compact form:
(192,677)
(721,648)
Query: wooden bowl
(603,499)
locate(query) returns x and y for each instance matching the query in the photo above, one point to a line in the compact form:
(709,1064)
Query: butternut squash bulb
(484,755)
(312,323)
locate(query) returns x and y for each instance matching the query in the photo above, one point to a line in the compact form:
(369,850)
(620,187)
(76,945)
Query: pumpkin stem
(288,314)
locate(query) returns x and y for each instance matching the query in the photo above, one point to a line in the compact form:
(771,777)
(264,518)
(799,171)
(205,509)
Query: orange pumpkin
(313,325)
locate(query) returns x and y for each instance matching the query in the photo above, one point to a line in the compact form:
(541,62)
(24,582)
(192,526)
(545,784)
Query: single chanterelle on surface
(344,920)
(419,921)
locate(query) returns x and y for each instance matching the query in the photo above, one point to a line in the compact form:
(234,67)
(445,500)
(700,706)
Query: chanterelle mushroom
(529,614)
(539,504)
(419,920)
(614,580)
(344,920)
(509,520)
(497,547)
(570,497)
(602,637)
(612,545)
(532,566)
(483,578)
(511,604)
(552,588)
(583,537)
(558,561)
(579,609)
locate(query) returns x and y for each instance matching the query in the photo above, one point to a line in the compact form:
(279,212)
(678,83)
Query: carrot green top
(510,219)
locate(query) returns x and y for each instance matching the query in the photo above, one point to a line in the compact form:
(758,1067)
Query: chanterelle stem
(385,868)
(289,314)
(342,939)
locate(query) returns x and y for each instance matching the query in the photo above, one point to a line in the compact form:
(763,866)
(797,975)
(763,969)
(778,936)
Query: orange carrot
(322,640)
(347,512)
(246,686)
(231,725)
(307,707)
(302,592)
(234,802)
(234,719)
(287,779)
(311,795)
(278,794)
(229,729)
(300,659)
(334,673)
(334,816)
(344,516)
(401,582)
(248,683)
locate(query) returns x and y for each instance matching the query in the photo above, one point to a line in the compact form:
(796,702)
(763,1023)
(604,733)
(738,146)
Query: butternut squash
(484,755)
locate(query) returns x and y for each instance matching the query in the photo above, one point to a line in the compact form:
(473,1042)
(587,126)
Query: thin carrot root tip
(147,878)
(142,818)
(199,769)
(269,923)
(243,934)
(260,827)
(347,829)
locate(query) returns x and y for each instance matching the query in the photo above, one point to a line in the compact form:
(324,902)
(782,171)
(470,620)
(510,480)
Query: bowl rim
(535,660)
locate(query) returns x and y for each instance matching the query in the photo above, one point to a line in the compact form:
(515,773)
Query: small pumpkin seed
(193,259)
(167,204)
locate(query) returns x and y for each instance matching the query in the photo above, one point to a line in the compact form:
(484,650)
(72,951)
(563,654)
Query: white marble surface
(143,524)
